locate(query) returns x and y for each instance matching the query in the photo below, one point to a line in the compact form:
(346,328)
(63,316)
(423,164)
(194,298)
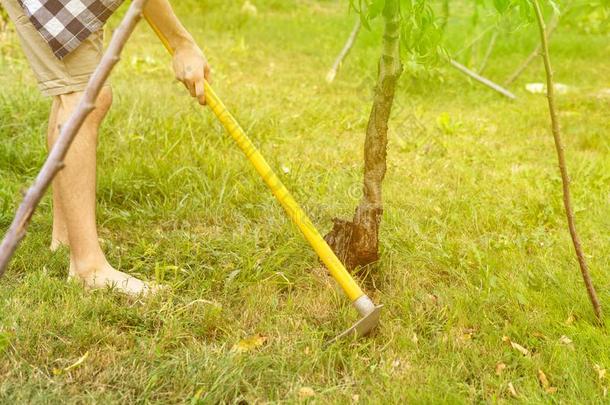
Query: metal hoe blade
(362,327)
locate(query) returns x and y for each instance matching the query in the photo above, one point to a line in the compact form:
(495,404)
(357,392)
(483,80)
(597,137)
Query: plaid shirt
(65,24)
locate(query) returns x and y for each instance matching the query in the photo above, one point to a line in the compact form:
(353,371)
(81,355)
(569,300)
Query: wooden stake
(332,73)
(565,179)
(482,79)
(54,162)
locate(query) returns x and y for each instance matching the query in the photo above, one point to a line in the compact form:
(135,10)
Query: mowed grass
(475,246)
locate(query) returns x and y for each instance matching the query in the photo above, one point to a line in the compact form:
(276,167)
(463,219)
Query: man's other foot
(108,277)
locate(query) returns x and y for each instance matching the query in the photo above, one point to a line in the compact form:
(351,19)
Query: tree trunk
(356,243)
(565,178)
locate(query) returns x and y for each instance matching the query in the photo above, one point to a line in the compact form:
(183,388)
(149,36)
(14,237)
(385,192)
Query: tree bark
(356,243)
(349,44)
(567,199)
(54,162)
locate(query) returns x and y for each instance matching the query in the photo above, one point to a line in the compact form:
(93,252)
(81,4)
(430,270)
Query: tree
(410,25)
(409,22)
(565,178)
(356,242)
(528,10)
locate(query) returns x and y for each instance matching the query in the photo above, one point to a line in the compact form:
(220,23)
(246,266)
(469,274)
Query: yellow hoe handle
(281,193)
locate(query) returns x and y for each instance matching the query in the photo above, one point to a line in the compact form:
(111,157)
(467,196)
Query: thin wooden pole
(488,52)
(565,178)
(349,44)
(54,162)
(482,79)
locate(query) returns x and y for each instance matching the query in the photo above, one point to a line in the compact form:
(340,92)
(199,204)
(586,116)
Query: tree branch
(488,52)
(54,162)
(535,53)
(565,179)
(349,44)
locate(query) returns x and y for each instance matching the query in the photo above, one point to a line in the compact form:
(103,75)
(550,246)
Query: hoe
(368,311)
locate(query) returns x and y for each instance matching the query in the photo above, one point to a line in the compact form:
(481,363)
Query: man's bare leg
(75,188)
(59,237)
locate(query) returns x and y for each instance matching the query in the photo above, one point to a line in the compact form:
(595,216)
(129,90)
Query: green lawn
(475,245)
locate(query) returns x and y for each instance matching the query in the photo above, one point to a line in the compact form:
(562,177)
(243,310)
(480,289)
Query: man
(63,42)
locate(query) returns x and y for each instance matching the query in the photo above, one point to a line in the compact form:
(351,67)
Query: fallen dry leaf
(306,392)
(77,363)
(414,338)
(601,372)
(544,381)
(564,340)
(516,346)
(539,335)
(520,348)
(250,343)
(432,298)
(468,333)
(512,390)
(500,368)
(542,378)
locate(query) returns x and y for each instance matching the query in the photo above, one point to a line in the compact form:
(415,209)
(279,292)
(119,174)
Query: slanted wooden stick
(332,73)
(535,53)
(488,52)
(565,178)
(482,79)
(54,162)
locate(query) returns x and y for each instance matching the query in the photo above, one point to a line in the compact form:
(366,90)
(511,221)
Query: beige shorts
(55,76)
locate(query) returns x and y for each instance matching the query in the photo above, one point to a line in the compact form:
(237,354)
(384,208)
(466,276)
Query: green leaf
(502,5)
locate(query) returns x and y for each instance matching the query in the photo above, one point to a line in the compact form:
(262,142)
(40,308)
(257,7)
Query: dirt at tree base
(356,243)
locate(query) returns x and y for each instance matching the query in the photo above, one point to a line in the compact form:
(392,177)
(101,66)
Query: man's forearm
(161,14)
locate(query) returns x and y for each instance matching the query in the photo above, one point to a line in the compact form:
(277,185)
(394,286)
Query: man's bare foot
(106,276)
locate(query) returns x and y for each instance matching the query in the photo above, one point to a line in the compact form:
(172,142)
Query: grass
(475,245)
